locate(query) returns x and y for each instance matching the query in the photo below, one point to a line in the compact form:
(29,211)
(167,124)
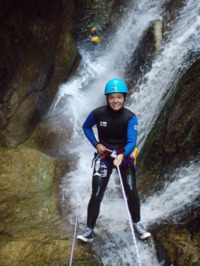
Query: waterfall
(78,96)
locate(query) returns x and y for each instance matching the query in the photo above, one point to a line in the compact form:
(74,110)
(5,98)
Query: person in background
(93,36)
(117,129)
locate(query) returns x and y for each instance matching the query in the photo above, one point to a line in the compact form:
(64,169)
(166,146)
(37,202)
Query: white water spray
(167,69)
(175,196)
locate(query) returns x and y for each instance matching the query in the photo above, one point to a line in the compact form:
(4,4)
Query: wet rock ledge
(32,229)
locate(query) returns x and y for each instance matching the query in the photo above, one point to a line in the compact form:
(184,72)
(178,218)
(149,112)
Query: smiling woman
(116,101)
(117,131)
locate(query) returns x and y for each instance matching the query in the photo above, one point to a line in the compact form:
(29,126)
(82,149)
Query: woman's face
(116,101)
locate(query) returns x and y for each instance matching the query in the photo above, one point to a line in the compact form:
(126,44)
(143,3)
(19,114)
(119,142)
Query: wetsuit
(93,33)
(116,130)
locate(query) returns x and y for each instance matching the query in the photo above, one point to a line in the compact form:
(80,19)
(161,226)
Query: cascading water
(84,92)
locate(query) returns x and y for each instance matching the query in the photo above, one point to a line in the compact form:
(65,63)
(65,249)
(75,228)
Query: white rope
(76,221)
(126,203)
(129,216)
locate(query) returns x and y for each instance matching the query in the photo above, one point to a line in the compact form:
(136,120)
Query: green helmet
(115,85)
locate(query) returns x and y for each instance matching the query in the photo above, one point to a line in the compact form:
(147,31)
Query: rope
(126,203)
(76,221)
(129,216)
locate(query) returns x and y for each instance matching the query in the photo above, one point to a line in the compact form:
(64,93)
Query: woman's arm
(87,128)
(132,131)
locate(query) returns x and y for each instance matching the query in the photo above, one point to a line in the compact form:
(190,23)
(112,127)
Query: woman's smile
(116,101)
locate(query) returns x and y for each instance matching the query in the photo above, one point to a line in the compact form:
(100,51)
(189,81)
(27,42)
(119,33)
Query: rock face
(175,138)
(32,229)
(91,14)
(179,244)
(37,53)
(148,48)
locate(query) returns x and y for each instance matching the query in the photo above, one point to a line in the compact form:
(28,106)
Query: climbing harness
(114,155)
(76,221)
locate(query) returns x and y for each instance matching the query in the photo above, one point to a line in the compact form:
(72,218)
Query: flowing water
(84,92)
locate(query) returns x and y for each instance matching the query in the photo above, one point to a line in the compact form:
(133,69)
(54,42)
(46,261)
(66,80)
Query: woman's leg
(129,182)
(101,176)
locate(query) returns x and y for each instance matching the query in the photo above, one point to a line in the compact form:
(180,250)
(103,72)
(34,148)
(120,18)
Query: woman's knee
(97,197)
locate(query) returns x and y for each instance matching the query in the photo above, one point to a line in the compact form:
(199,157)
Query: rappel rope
(114,154)
(76,222)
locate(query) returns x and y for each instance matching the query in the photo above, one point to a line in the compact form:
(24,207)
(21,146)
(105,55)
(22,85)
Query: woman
(117,130)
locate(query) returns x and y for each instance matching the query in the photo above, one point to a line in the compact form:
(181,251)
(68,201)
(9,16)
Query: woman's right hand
(118,160)
(100,148)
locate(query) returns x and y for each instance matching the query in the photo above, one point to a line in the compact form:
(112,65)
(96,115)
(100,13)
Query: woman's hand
(100,148)
(118,160)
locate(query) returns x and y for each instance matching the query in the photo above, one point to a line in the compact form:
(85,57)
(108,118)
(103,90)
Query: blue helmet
(115,85)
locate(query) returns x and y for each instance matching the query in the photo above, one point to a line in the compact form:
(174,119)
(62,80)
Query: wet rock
(32,229)
(92,14)
(178,244)
(174,139)
(37,53)
(148,48)
(52,135)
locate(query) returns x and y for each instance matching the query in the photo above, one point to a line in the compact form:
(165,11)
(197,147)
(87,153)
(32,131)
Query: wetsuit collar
(113,111)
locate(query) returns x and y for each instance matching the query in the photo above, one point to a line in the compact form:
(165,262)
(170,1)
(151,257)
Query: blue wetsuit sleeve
(87,128)
(132,131)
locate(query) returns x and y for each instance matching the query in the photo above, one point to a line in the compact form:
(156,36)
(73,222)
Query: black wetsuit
(116,130)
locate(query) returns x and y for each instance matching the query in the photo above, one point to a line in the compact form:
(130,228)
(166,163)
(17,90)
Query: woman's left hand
(118,160)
